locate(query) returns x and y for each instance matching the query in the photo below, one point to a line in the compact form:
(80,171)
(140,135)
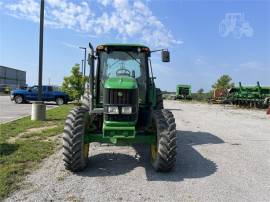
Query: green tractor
(183,92)
(121,106)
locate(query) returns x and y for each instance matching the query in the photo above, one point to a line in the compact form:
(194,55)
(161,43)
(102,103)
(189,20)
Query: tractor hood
(122,82)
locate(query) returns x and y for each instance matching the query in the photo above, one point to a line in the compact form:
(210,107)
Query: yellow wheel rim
(85,150)
(153,151)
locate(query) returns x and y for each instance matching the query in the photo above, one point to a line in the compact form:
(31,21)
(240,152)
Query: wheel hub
(153,151)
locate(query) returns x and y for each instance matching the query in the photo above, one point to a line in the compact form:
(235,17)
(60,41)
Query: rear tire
(159,99)
(75,151)
(18,99)
(163,154)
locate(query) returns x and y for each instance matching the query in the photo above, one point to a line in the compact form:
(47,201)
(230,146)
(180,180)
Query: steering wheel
(123,72)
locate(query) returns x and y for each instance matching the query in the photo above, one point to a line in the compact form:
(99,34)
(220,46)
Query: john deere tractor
(122,106)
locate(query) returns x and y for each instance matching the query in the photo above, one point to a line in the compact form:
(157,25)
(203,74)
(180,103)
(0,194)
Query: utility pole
(84,59)
(39,108)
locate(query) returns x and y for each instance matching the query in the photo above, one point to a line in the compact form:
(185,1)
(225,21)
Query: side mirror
(165,54)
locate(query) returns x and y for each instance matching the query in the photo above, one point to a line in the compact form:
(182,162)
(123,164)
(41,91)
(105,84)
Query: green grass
(22,148)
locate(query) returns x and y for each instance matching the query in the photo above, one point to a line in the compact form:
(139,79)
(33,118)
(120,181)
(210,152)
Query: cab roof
(123,45)
(183,86)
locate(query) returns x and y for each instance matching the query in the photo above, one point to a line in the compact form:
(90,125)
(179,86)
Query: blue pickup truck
(49,93)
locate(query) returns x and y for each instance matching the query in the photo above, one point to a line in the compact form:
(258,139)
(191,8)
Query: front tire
(75,151)
(18,99)
(163,154)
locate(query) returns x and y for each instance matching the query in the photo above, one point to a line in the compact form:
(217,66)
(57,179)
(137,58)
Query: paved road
(10,111)
(223,155)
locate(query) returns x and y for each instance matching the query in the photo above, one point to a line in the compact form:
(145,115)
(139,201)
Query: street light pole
(82,67)
(40,50)
(38,107)
(84,59)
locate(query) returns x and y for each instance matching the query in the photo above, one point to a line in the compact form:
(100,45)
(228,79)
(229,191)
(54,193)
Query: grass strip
(24,143)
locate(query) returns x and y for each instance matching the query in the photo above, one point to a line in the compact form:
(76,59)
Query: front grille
(121,97)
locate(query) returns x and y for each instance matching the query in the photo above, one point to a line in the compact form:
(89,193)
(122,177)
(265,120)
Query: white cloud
(104,2)
(55,3)
(235,25)
(126,19)
(28,9)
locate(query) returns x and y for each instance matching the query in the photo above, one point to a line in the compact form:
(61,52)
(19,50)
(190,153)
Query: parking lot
(10,111)
(223,155)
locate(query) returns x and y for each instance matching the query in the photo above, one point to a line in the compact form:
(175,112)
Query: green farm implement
(183,92)
(252,96)
(121,106)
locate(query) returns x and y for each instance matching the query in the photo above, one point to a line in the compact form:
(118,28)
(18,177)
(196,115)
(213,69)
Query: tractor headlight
(113,110)
(126,110)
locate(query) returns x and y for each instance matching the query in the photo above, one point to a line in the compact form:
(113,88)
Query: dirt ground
(223,155)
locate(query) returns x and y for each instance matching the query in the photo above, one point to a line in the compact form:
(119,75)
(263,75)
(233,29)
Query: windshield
(124,63)
(120,63)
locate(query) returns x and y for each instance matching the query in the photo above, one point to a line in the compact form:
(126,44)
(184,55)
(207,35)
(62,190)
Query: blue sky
(206,38)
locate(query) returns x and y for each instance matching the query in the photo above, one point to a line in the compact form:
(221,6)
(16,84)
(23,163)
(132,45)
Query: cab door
(32,93)
(48,94)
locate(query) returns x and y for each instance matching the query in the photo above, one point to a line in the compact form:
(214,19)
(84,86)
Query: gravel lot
(223,156)
(10,111)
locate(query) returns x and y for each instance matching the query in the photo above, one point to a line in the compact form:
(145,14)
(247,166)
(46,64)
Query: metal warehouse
(11,78)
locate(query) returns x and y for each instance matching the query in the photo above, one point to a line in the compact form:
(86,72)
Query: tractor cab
(122,67)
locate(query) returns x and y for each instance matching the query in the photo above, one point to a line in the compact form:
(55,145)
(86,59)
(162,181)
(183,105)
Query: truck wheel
(163,153)
(18,99)
(159,99)
(75,151)
(59,101)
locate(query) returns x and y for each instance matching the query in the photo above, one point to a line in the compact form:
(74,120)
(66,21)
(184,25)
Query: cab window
(34,88)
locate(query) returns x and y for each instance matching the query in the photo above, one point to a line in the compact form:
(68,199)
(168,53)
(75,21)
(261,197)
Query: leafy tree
(224,82)
(200,91)
(74,84)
